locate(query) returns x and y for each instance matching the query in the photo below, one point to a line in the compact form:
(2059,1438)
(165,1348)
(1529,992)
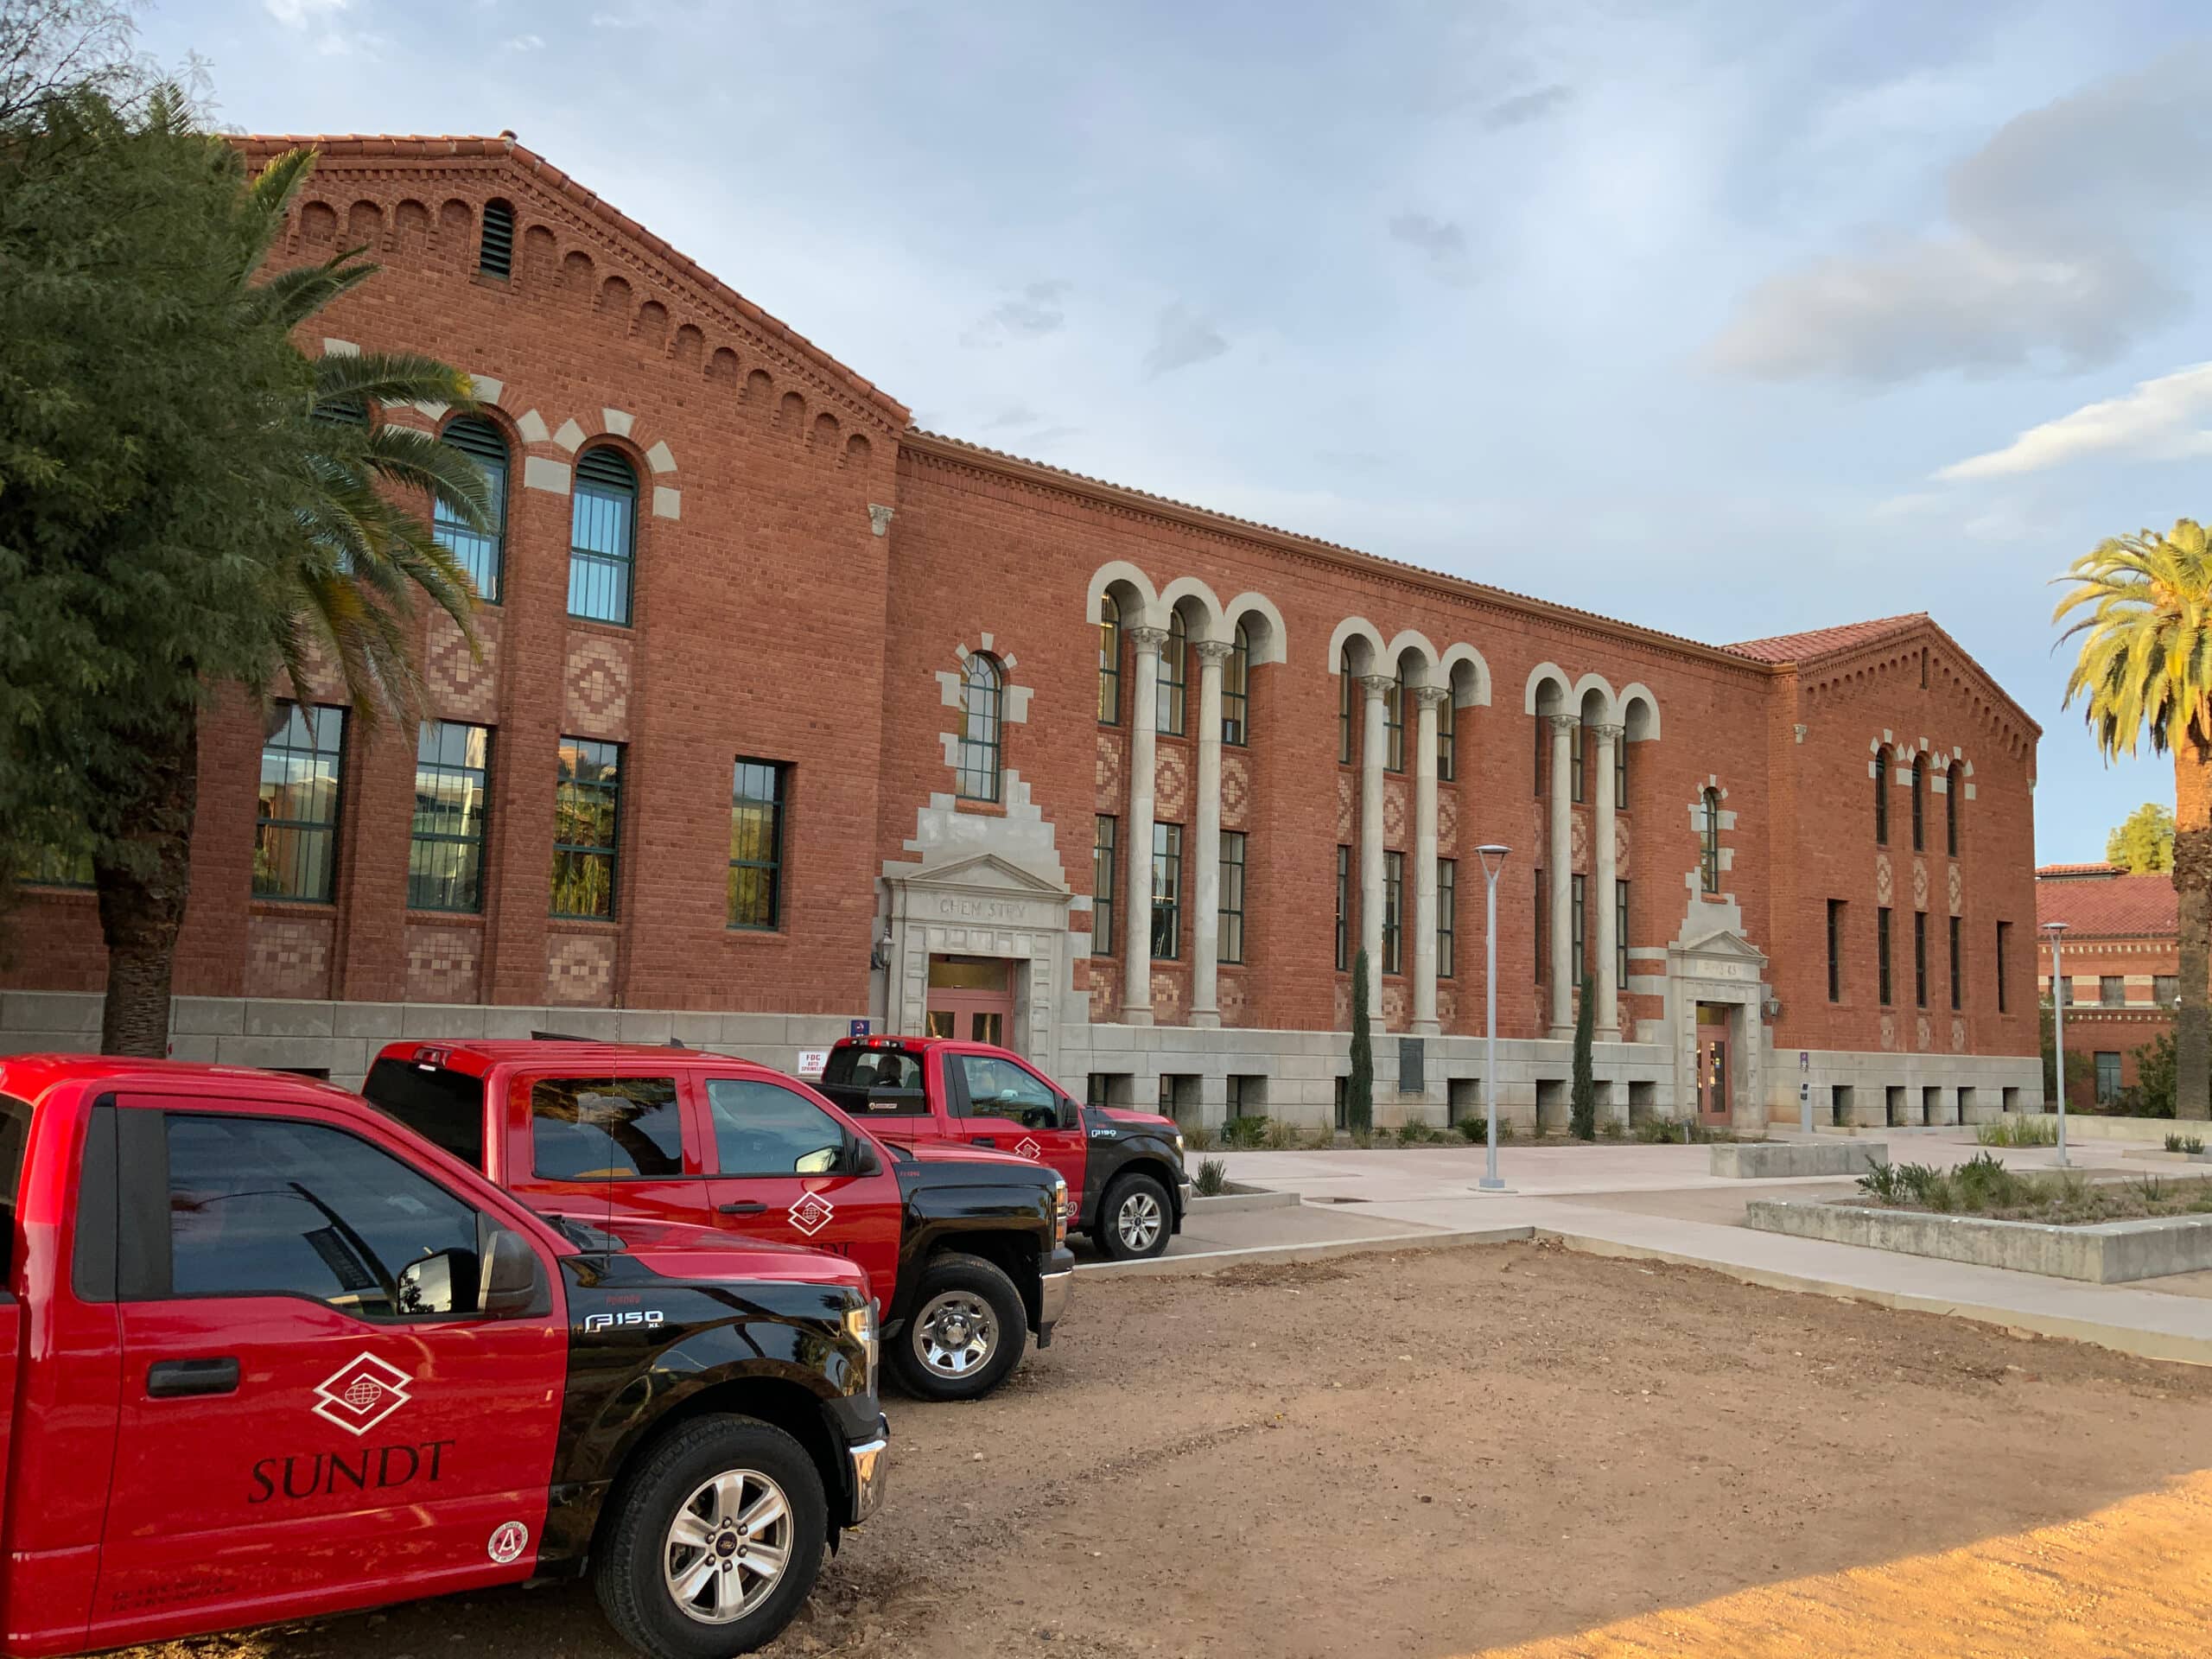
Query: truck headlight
(860,1325)
(1178,1143)
(1059,1211)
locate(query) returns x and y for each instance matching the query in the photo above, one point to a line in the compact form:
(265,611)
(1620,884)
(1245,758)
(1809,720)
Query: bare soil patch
(1427,1453)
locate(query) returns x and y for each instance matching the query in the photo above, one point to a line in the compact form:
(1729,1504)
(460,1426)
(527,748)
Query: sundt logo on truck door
(361,1394)
(812,1213)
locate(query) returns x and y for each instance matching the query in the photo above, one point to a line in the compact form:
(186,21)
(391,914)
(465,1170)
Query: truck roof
(479,1054)
(29,1076)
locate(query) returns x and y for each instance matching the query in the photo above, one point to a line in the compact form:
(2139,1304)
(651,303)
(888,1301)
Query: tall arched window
(1709,858)
(1920,803)
(603,519)
(1394,721)
(1447,717)
(1109,661)
(479,552)
(977,770)
(1881,797)
(1345,703)
(1954,785)
(1172,658)
(1237,689)
(495,254)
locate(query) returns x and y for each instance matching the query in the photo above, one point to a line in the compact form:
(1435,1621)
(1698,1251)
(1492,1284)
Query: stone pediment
(1723,946)
(984,872)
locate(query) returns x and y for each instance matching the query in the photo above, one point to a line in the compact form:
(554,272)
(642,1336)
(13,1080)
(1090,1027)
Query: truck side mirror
(1070,1114)
(513,1282)
(862,1160)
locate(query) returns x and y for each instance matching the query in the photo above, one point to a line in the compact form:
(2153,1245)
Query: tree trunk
(2193,888)
(141,897)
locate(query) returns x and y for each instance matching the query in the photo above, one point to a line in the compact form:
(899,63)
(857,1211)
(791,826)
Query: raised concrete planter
(1230,1203)
(2109,1253)
(1778,1159)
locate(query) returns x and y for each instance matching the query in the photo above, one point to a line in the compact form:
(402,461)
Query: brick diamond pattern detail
(1170,784)
(461,688)
(579,970)
(1958,1035)
(598,680)
(1889,1033)
(1107,775)
(1344,808)
(1920,884)
(1958,893)
(287,956)
(1884,884)
(1236,790)
(1394,813)
(442,963)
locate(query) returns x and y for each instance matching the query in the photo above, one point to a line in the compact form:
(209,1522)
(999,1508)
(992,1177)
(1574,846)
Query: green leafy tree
(1359,1087)
(2141,607)
(1582,1097)
(2081,1070)
(2151,1094)
(2143,843)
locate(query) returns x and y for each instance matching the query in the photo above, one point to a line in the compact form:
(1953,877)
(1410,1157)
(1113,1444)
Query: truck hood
(1151,1121)
(680,1250)
(940,1152)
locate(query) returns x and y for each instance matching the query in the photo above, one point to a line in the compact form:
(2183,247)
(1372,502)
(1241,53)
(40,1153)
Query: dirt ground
(1430,1453)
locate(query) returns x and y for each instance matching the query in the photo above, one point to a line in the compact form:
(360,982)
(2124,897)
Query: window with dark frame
(1919,803)
(1229,941)
(1881,797)
(1167,892)
(1578,922)
(1393,873)
(1343,709)
(295,816)
(2004,947)
(1620,935)
(1954,785)
(587,827)
(1578,749)
(2107,1063)
(1958,968)
(1882,953)
(1109,661)
(1236,689)
(1543,750)
(758,792)
(2112,991)
(495,247)
(976,766)
(445,848)
(479,552)
(1343,910)
(1708,860)
(1447,917)
(2165,989)
(1174,676)
(1540,955)
(1105,847)
(602,537)
(1447,754)
(1835,950)
(1620,773)
(1394,721)
(1920,958)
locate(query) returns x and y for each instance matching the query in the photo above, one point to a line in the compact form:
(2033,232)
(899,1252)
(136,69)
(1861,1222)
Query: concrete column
(1566,732)
(1374,742)
(1606,1018)
(1430,698)
(1136,937)
(1205,992)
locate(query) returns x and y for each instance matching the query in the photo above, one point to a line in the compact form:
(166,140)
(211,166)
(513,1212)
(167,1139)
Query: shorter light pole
(2056,931)
(1493,860)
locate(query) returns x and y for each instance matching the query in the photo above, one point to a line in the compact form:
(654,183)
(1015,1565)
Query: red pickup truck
(266,1355)
(1123,1168)
(965,1248)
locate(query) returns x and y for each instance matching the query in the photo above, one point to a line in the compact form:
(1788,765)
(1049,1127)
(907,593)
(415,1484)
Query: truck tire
(675,1577)
(1135,1220)
(966,1333)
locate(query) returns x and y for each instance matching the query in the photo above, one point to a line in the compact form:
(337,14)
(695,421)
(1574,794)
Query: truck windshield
(446,1108)
(15,1142)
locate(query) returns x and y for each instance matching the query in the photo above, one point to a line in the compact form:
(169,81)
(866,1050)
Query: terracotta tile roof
(1823,642)
(263,147)
(2116,905)
(2076,872)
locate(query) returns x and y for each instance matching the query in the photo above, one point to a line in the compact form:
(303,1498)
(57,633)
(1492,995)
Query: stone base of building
(1198,1074)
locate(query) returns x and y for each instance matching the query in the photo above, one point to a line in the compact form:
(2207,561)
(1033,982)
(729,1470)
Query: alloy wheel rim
(955,1333)
(1139,1221)
(728,1547)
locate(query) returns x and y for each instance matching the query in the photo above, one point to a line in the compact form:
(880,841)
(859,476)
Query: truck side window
(605,1129)
(263,1206)
(876,1082)
(761,1129)
(997,1088)
(15,1142)
(445,1107)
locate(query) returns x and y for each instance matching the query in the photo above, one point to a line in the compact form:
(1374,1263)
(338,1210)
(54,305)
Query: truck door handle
(743,1207)
(170,1379)
(986,1140)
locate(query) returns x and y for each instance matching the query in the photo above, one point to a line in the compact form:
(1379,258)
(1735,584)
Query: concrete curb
(2122,1338)
(1205,1262)
(1231,1204)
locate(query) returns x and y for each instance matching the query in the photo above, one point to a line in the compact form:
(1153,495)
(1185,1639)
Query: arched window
(1620,776)
(1881,797)
(479,552)
(1954,785)
(1172,655)
(978,766)
(1109,661)
(1709,848)
(1236,689)
(1447,713)
(1344,700)
(603,532)
(1920,803)
(1394,721)
(495,253)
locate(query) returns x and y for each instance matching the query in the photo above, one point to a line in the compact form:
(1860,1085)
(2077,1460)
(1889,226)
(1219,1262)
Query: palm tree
(2142,605)
(341,590)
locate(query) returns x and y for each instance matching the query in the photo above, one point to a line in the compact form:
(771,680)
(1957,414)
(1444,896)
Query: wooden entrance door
(1713,1073)
(970,998)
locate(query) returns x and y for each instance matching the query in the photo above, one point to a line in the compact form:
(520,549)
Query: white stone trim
(1352,628)
(571,436)
(667,503)
(541,473)
(340,348)
(618,421)
(660,457)
(486,389)
(531,426)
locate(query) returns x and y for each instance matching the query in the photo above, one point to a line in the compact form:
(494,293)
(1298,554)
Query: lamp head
(1493,856)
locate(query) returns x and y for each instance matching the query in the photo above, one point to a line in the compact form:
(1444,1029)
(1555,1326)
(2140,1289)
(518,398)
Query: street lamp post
(2056,931)
(1493,860)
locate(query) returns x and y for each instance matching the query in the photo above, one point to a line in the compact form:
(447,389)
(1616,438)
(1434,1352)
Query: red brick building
(788,714)
(2122,956)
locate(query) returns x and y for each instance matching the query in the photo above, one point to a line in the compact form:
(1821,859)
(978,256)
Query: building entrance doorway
(1711,1063)
(970,998)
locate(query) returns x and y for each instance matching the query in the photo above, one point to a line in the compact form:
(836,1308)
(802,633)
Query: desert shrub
(2190,1143)
(1880,1181)
(2019,1129)
(1662,1131)
(1212,1179)
(1196,1137)
(1322,1139)
(1413,1131)
(1983,1183)
(1244,1133)
(1921,1182)
(1613,1129)
(1283,1137)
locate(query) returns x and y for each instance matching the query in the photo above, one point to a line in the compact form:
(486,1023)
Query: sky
(1725,317)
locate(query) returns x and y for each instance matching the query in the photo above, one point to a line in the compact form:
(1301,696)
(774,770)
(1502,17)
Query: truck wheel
(968,1331)
(1133,1222)
(716,1539)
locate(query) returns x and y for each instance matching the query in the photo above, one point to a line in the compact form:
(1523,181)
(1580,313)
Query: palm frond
(392,378)
(2141,607)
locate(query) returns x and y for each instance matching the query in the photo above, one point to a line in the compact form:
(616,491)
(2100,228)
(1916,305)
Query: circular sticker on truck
(508,1543)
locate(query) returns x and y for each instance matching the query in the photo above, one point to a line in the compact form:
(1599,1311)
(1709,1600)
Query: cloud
(2158,419)
(1524,107)
(611,20)
(1440,241)
(526,43)
(1180,338)
(1033,312)
(296,14)
(2035,257)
